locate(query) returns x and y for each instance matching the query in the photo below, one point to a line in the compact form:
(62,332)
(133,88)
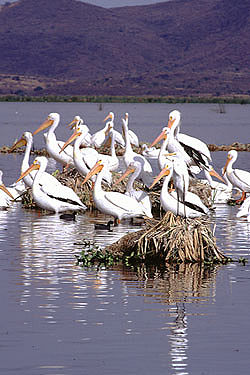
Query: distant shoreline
(126,99)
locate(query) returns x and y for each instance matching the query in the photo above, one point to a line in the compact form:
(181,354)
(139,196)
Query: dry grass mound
(171,240)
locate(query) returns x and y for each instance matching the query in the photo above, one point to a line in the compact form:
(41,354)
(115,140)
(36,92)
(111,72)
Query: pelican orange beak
(163,135)
(33,167)
(71,139)
(165,172)
(48,122)
(73,123)
(94,170)
(225,167)
(107,117)
(20,143)
(170,122)
(170,154)
(4,188)
(108,130)
(128,171)
(215,174)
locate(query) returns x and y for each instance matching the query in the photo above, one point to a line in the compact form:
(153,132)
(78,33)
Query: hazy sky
(110,3)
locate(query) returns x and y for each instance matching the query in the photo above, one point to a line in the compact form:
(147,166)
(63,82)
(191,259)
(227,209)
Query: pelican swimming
(61,199)
(15,189)
(5,194)
(238,177)
(244,209)
(54,146)
(221,192)
(47,181)
(192,205)
(118,205)
(146,174)
(141,196)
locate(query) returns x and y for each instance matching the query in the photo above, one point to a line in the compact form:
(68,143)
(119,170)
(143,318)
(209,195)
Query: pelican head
(76,121)
(79,130)
(94,170)
(110,116)
(163,135)
(164,172)
(174,118)
(34,166)
(231,157)
(53,118)
(130,169)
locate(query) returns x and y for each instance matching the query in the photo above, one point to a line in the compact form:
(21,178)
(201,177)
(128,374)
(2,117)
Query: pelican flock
(179,158)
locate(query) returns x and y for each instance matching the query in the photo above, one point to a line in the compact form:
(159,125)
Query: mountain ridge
(182,47)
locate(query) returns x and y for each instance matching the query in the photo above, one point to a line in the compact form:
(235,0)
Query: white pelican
(195,152)
(191,207)
(221,192)
(79,121)
(141,196)
(150,152)
(5,194)
(99,137)
(61,199)
(244,209)
(132,136)
(146,174)
(46,180)
(238,177)
(15,189)
(118,205)
(54,146)
(85,158)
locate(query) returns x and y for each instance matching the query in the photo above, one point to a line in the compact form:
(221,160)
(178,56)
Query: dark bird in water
(68,217)
(105,226)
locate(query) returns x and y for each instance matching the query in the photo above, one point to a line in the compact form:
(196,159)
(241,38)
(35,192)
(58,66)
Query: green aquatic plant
(92,254)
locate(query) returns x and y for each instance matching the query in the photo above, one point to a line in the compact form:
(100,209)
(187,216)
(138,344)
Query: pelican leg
(242,198)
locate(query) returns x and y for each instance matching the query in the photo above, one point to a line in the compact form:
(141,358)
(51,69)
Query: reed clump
(173,239)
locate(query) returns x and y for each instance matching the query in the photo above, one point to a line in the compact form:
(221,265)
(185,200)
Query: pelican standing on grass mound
(118,205)
(195,152)
(192,205)
(77,120)
(238,177)
(54,146)
(141,196)
(146,174)
(98,139)
(61,199)
(85,158)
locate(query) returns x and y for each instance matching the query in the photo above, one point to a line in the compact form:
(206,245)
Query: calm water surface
(57,318)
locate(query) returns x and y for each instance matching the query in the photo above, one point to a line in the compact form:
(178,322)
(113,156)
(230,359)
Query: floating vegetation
(92,254)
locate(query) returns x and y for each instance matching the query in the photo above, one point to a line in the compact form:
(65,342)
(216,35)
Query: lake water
(60,319)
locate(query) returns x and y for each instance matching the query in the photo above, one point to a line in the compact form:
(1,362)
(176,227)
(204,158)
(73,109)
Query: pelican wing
(133,138)
(243,176)
(123,201)
(62,193)
(195,144)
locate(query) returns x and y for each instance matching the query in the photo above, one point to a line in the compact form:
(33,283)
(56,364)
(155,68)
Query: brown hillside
(184,47)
